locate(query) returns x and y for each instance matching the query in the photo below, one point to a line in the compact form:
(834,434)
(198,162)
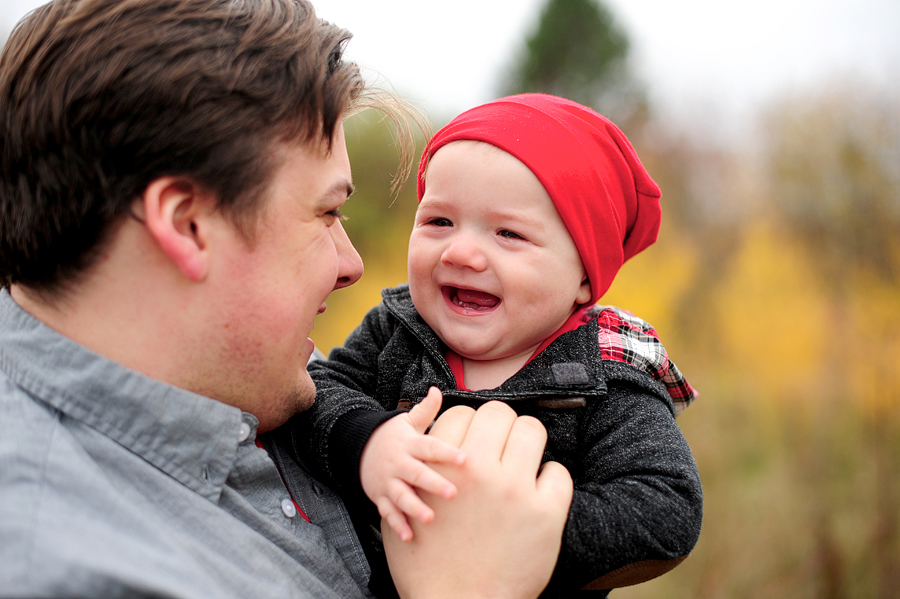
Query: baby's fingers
(395,519)
(417,474)
(431,449)
(407,501)
(423,413)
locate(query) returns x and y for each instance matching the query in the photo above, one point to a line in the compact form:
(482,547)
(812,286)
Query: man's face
(267,296)
(492,267)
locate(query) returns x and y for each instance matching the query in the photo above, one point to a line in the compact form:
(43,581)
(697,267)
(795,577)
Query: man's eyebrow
(344,189)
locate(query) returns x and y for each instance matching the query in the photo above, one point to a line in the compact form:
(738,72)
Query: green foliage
(578,52)
(375,218)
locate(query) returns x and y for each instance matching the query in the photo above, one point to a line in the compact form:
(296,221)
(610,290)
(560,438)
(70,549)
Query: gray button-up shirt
(113,484)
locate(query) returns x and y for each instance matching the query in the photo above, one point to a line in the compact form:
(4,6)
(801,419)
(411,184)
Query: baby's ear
(584,292)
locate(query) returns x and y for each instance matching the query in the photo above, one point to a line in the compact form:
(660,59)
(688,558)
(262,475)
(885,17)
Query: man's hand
(501,535)
(394,461)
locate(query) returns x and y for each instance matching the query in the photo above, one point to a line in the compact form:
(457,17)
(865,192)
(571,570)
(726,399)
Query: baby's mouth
(470,299)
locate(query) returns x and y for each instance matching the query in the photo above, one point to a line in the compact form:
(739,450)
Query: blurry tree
(833,169)
(375,216)
(579,52)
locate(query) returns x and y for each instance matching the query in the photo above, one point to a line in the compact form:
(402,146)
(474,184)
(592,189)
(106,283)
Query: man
(171,175)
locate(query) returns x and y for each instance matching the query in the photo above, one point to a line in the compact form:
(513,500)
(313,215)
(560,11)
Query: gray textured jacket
(638,499)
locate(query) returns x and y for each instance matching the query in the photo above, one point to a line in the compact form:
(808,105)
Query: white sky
(698,57)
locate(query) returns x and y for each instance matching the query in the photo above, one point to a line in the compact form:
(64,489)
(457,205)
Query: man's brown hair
(98,98)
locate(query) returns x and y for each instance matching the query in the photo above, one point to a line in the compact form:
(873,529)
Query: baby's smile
(470,299)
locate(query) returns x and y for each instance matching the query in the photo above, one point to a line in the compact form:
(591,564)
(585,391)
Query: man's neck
(97,325)
(123,309)
(52,310)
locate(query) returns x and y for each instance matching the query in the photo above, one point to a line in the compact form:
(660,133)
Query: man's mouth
(470,299)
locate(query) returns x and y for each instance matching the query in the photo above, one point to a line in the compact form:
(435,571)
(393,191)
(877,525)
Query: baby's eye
(509,234)
(440,222)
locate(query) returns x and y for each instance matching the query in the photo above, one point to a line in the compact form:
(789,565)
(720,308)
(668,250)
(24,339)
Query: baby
(529,205)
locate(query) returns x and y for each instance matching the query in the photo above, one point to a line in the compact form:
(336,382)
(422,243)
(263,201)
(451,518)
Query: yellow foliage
(872,349)
(651,284)
(772,317)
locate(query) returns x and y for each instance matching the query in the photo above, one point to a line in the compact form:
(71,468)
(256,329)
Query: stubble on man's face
(267,298)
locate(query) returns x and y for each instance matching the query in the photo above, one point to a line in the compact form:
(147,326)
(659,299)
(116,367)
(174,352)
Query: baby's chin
(489,353)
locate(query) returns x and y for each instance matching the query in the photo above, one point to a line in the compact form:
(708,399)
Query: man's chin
(304,395)
(297,401)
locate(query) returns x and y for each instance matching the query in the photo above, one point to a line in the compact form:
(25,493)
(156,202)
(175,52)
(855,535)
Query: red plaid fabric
(626,338)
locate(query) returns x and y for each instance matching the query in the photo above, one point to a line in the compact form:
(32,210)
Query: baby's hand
(393,462)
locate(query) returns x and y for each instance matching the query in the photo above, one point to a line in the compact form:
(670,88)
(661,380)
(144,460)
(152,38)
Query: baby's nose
(464,251)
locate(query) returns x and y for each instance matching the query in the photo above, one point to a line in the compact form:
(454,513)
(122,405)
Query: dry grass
(799,503)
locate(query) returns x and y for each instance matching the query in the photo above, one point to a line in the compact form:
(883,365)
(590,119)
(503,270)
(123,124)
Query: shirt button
(287,506)
(244,432)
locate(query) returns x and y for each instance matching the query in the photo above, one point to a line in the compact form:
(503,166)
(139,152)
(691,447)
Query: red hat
(605,197)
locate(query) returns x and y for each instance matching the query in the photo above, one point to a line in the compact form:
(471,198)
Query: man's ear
(176,214)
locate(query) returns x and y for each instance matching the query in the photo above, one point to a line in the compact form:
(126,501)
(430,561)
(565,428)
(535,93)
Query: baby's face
(492,268)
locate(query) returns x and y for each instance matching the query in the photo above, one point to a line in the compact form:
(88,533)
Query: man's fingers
(423,413)
(489,430)
(525,444)
(453,424)
(500,536)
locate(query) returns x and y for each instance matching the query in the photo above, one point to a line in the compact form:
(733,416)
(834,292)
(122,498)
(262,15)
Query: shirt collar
(193,439)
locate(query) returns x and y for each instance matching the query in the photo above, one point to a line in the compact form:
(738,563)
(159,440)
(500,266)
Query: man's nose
(350,265)
(464,251)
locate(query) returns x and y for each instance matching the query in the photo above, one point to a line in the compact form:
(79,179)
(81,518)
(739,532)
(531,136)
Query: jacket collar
(568,369)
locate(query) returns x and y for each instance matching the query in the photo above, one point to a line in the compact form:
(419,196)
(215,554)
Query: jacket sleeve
(330,436)
(638,503)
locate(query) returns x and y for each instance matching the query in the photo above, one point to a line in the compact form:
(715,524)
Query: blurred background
(773,129)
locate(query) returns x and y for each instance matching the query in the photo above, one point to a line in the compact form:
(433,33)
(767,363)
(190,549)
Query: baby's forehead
(460,153)
(481,149)
(514,191)
(459,157)
(472,145)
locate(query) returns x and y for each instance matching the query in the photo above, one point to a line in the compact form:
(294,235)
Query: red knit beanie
(605,197)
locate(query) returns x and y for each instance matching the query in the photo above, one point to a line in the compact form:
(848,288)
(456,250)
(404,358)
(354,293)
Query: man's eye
(509,234)
(336,213)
